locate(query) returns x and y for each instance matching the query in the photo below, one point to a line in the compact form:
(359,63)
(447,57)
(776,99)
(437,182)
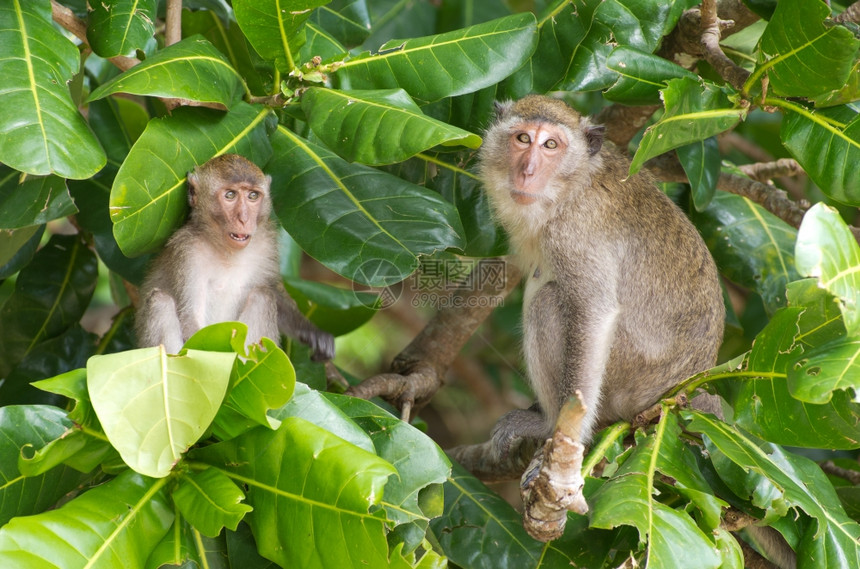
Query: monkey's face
(240,206)
(535,152)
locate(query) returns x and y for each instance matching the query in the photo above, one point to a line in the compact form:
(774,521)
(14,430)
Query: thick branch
(684,44)
(68,21)
(713,53)
(173,22)
(764,171)
(623,122)
(851,14)
(418,371)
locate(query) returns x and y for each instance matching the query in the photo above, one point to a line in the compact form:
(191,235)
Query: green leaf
(802,484)
(320,44)
(758,390)
(834,366)
(190,69)
(335,310)
(362,223)
(119,27)
(637,23)
(34,202)
(826,249)
(17,248)
(265,380)
(377,127)
(701,162)
(827,144)
(33,426)
(801,55)
(673,538)
(51,294)
(751,246)
(314,407)
(113,525)
(148,198)
(153,406)
(346,20)
(274,27)
(641,76)
(448,64)
(300,479)
(694,111)
(185,547)
(41,130)
(210,501)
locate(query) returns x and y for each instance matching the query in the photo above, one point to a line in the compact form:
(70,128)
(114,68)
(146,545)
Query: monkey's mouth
(524,198)
(240,237)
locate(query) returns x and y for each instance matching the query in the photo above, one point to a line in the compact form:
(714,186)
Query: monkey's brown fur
(622,299)
(222,265)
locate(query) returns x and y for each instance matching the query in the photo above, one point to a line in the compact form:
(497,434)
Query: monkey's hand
(519,428)
(321,344)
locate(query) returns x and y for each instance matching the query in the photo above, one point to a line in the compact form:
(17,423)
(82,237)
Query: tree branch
(623,122)
(419,370)
(851,14)
(713,53)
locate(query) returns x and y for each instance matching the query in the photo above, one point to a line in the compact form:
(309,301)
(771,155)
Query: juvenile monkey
(222,265)
(622,299)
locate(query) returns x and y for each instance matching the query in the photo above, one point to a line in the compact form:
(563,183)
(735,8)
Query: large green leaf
(364,224)
(751,246)
(34,202)
(641,75)
(185,547)
(834,541)
(148,199)
(701,162)
(801,55)
(190,69)
(119,27)
(274,27)
(445,65)
(672,535)
(300,480)
(336,310)
(377,127)
(826,249)
(827,145)
(51,294)
(153,406)
(32,426)
(758,389)
(113,525)
(694,111)
(41,130)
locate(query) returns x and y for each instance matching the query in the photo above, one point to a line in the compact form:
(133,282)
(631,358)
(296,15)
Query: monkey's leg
(159,323)
(260,315)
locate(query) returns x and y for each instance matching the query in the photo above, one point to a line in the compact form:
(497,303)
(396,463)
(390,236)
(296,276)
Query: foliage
(366,113)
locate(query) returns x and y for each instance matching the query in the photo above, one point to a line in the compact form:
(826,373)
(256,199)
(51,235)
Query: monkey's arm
(293,323)
(158,323)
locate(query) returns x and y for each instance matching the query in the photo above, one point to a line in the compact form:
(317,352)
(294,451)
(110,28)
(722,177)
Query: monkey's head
(229,197)
(533,147)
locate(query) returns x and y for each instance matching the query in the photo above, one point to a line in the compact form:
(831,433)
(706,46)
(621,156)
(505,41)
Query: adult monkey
(222,265)
(622,298)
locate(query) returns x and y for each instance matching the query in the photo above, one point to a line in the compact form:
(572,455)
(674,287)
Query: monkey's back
(667,283)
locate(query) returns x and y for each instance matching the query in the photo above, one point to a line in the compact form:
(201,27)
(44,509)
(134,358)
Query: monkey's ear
(193,182)
(594,138)
(502,107)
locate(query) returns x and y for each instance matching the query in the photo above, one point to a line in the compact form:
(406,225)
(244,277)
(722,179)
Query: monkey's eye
(230,194)
(551,144)
(524,138)
(253,196)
